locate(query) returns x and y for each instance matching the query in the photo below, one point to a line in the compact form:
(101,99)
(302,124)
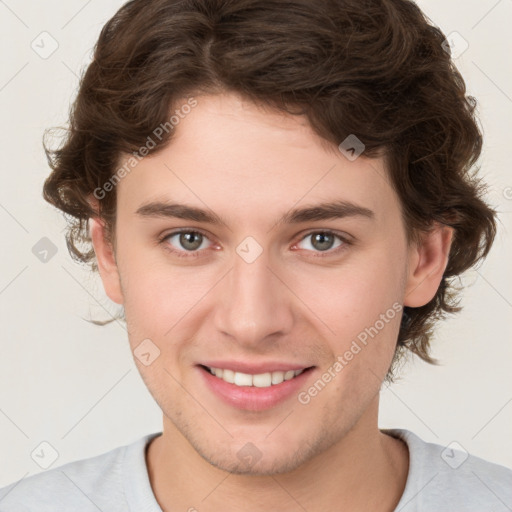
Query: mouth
(250,385)
(260,380)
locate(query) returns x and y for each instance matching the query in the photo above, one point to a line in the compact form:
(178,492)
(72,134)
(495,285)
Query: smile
(261,380)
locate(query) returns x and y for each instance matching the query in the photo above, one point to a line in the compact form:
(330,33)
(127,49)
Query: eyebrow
(323,211)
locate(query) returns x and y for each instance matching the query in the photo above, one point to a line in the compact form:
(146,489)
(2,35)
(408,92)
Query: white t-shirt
(439,479)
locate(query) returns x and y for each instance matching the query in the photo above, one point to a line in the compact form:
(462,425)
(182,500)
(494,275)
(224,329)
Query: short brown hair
(378,69)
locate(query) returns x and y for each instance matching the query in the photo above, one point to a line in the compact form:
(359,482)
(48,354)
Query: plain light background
(74,385)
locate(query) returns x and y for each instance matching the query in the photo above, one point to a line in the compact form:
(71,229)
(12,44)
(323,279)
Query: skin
(294,303)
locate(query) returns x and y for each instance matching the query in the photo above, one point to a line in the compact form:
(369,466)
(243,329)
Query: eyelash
(197,254)
(181,254)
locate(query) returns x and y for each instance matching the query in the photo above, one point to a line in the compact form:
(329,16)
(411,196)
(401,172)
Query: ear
(105,257)
(427,262)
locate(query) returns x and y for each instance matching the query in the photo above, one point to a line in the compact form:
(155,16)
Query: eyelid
(176,231)
(182,253)
(344,238)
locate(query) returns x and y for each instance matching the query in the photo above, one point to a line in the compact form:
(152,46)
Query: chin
(259,459)
(266,466)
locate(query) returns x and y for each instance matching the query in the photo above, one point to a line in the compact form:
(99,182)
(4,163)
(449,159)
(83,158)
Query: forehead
(229,154)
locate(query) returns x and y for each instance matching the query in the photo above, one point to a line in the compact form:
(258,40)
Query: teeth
(243,379)
(262,380)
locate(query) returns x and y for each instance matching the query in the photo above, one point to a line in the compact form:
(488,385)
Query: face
(262,280)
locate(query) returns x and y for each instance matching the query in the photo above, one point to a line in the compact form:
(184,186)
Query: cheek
(159,296)
(361,305)
(352,297)
(348,298)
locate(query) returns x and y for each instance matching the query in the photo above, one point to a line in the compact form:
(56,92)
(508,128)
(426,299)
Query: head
(245,110)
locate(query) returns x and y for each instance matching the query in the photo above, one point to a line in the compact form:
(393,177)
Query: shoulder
(449,478)
(87,485)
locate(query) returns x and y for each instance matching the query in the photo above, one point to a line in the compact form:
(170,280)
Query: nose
(254,305)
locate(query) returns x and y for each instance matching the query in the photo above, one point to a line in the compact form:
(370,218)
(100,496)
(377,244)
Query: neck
(364,470)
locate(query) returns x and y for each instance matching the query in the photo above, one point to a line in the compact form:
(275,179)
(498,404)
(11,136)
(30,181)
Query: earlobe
(427,262)
(105,257)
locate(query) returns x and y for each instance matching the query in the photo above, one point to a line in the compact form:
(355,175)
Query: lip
(251,398)
(255,368)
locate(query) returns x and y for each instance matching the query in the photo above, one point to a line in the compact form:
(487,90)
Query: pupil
(187,240)
(322,241)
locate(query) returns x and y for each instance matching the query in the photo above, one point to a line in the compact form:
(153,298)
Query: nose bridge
(254,303)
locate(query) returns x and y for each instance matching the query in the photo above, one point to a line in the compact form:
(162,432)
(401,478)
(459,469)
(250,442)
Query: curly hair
(378,69)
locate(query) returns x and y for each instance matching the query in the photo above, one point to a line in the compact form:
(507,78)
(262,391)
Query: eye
(190,243)
(185,241)
(324,241)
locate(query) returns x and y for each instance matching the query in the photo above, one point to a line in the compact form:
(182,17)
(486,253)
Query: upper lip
(255,368)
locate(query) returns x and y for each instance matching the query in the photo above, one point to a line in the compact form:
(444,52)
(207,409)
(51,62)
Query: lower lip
(251,398)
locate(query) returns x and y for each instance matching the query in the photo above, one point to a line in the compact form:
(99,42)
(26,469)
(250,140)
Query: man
(277,194)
